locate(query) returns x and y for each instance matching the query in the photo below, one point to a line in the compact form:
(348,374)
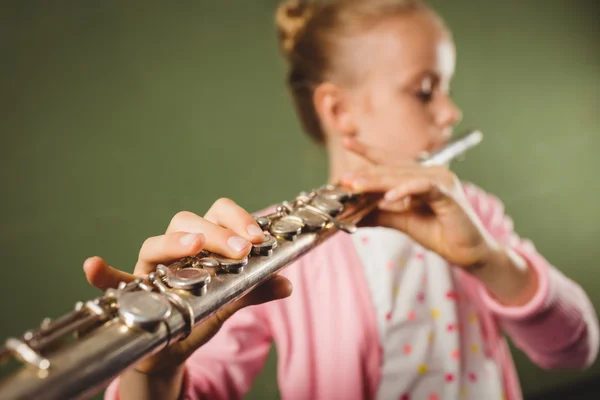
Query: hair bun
(291,18)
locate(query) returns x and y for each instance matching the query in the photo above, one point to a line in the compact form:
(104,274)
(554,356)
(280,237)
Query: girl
(412,306)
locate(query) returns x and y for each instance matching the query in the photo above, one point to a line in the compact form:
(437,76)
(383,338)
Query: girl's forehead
(408,47)
(399,50)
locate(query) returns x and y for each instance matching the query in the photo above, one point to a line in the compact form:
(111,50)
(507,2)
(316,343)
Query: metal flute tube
(140,319)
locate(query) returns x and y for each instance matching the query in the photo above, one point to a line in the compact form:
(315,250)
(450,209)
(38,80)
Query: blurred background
(116,115)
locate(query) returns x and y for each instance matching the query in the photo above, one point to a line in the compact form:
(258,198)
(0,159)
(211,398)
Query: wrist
(506,276)
(152,384)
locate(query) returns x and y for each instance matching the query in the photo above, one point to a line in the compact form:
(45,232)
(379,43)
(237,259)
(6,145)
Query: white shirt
(432,346)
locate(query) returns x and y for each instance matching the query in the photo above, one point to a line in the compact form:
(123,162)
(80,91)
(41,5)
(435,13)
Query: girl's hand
(427,203)
(226,229)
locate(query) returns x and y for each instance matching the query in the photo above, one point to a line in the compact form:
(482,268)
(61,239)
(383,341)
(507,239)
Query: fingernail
(391,195)
(237,243)
(187,239)
(254,230)
(87,263)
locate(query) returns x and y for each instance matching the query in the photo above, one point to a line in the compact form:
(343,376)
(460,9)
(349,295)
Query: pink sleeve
(225,367)
(558,328)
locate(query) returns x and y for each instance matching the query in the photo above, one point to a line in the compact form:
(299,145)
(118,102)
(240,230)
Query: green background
(114,116)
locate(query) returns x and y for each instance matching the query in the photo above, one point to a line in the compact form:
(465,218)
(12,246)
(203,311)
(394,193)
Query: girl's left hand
(426,203)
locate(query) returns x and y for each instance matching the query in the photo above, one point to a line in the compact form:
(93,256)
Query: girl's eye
(425,96)
(426,91)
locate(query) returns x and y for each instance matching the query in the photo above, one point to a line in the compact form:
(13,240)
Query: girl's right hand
(226,229)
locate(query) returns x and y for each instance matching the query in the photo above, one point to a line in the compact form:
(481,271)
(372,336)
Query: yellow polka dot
(474,348)
(402,261)
(431,336)
(463,392)
(396,291)
(435,312)
(422,369)
(473,318)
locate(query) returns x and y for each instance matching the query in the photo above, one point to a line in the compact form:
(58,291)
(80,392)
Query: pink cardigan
(326,333)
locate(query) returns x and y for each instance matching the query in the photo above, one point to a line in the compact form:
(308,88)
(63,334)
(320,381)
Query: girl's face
(401,100)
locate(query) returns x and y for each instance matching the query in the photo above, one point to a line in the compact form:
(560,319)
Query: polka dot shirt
(432,346)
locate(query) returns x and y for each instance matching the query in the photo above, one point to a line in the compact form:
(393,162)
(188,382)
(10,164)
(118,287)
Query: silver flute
(77,355)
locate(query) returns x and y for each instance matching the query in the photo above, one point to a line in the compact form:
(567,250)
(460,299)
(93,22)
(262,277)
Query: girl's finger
(164,249)
(219,240)
(228,214)
(102,275)
(421,195)
(396,205)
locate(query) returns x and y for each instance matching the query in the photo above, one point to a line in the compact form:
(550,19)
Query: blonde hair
(309,34)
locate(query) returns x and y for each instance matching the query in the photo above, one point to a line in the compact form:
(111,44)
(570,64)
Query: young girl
(411,307)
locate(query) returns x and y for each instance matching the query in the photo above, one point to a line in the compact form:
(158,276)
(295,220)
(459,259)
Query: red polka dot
(421,297)
(365,239)
(449,378)
(434,396)
(407,349)
(420,256)
(452,295)
(473,377)
(405,396)
(455,354)
(388,316)
(451,327)
(412,316)
(390,266)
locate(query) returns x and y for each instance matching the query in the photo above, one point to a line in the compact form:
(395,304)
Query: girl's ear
(333,108)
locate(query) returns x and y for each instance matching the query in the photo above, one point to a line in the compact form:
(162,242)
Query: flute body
(77,355)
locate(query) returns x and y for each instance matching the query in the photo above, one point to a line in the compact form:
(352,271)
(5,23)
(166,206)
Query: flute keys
(311,220)
(231,265)
(191,279)
(266,247)
(337,193)
(209,264)
(143,310)
(327,205)
(263,222)
(162,270)
(286,228)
